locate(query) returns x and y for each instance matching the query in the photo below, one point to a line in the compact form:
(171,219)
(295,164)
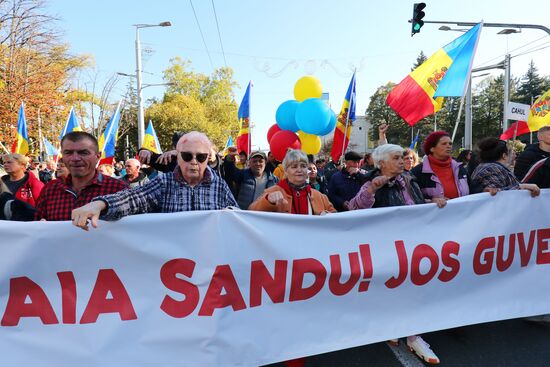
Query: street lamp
(447,28)
(141,122)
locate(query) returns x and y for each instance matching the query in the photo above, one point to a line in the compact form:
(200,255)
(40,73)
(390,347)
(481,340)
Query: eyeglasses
(188,156)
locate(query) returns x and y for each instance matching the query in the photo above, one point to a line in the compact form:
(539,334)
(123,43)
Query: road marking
(405,356)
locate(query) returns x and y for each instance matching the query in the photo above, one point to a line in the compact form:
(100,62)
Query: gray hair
(195,136)
(134,161)
(293,156)
(383,152)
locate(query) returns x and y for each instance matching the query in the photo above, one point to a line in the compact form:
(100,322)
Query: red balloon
(272,131)
(242,143)
(281,141)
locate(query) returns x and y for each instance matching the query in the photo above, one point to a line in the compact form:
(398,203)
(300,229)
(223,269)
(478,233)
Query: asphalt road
(511,343)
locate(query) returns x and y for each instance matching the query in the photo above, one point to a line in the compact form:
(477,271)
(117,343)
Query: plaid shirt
(170,193)
(496,176)
(58,198)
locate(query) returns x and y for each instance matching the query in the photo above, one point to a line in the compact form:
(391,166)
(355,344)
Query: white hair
(134,161)
(383,152)
(195,136)
(293,156)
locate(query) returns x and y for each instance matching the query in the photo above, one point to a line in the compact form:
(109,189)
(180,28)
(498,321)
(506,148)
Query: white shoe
(423,350)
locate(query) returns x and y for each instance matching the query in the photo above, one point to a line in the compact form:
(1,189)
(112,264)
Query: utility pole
(506,91)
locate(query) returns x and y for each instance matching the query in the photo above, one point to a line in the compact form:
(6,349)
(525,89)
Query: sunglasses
(188,156)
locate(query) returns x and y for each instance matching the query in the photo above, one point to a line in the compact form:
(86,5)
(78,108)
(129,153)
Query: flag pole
(460,110)
(351,96)
(3,147)
(250,121)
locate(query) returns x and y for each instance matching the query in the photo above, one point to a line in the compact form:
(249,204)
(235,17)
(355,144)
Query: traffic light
(417,21)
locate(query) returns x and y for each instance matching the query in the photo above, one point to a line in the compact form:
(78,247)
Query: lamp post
(141,122)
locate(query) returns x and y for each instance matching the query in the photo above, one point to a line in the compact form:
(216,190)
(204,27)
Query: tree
(419,60)
(195,101)
(35,68)
(531,85)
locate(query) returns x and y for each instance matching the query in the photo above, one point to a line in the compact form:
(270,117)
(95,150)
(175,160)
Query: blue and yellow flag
(50,149)
(107,140)
(150,140)
(21,143)
(71,125)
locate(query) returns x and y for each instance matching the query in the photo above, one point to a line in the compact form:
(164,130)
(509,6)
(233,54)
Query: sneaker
(393,342)
(422,349)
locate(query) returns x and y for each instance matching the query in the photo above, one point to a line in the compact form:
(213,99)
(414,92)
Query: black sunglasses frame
(188,157)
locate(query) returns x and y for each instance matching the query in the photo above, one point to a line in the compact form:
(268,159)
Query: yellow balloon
(307,87)
(311,144)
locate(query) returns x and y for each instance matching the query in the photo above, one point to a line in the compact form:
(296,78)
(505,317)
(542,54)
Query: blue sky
(275,43)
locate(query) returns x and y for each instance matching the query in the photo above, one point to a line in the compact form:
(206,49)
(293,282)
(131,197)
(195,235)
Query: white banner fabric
(239,288)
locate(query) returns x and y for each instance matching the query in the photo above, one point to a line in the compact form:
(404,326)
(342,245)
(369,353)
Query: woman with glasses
(387,185)
(293,194)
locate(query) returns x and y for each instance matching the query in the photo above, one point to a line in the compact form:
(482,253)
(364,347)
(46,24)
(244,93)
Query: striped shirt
(169,193)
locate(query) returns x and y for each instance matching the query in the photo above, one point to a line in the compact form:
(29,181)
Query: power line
(540,47)
(202,35)
(516,49)
(219,34)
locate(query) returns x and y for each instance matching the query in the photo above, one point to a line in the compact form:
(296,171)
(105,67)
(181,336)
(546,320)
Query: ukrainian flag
(21,143)
(445,74)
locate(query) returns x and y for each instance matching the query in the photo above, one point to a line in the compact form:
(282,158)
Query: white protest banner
(517,111)
(236,288)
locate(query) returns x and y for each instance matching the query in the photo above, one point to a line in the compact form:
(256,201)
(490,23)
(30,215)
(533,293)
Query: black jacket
(391,195)
(527,158)
(539,174)
(14,209)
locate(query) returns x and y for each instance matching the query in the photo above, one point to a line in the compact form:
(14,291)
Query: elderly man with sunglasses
(191,186)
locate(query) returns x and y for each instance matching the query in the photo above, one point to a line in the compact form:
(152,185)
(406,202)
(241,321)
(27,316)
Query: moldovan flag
(71,124)
(243,138)
(21,143)
(107,141)
(539,113)
(445,74)
(150,140)
(346,117)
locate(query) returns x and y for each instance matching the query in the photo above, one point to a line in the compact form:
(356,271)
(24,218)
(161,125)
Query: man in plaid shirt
(191,186)
(59,197)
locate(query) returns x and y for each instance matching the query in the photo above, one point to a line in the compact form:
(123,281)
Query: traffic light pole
(494,25)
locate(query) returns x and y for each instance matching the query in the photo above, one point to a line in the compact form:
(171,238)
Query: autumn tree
(195,101)
(35,68)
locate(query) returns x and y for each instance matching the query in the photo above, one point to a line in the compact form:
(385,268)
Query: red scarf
(444,171)
(299,195)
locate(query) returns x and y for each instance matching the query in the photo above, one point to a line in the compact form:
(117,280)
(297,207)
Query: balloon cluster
(302,121)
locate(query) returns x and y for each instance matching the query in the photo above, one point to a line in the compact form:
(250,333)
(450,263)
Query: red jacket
(30,191)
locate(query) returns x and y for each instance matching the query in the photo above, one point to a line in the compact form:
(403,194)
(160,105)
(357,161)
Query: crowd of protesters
(194,176)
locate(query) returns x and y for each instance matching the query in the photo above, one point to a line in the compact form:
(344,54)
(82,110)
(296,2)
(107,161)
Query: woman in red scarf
(439,176)
(293,195)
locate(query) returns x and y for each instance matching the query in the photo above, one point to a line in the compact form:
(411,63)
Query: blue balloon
(286,115)
(313,116)
(331,125)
